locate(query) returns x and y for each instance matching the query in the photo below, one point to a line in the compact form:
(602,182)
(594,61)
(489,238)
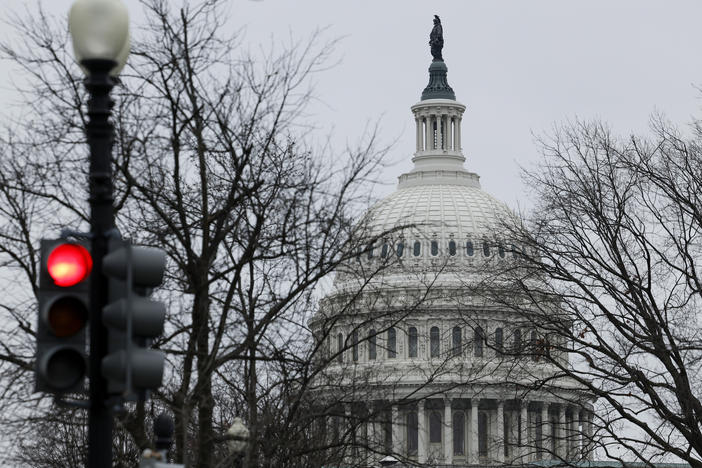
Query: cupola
(438,157)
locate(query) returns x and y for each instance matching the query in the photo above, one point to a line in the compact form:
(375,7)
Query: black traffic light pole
(99,133)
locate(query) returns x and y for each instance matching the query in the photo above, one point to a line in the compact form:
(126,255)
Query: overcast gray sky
(519,66)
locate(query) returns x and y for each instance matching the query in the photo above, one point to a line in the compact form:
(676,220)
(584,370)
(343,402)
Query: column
(583,436)
(448,432)
(418,123)
(351,434)
(346,431)
(449,133)
(560,430)
(328,430)
(580,440)
(458,134)
(427,132)
(573,439)
(523,432)
(545,432)
(396,430)
(372,430)
(588,446)
(500,432)
(473,449)
(421,433)
(432,139)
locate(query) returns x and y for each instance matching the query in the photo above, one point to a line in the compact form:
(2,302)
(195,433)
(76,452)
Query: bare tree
(608,271)
(210,165)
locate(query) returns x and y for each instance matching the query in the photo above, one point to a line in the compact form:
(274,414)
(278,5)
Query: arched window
(412,342)
(392,343)
(384,251)
(340,347)
(400,249)
(452,248)
(459,437)
(434,346)
(501,251)
(370,251)
(412,433)
(372,345)
(541,348)
(434,248)
(482,434)
(469,248)
(354,345)
(499,341)
(456,338)
(434,427)
(417,249)
(486,249)
(478,338)
(517,341)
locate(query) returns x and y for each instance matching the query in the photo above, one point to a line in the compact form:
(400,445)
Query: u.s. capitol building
(424,367)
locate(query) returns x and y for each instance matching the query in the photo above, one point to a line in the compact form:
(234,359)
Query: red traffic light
(69,264)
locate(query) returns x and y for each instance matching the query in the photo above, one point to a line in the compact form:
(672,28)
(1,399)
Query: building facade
(428,369)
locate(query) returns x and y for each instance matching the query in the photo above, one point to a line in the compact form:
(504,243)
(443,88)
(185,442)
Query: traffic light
(132,319)
(61,363)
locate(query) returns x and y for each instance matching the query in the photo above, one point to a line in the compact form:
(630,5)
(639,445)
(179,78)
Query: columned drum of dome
(437,371)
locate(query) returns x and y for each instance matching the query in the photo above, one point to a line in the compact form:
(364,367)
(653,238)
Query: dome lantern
(438,157)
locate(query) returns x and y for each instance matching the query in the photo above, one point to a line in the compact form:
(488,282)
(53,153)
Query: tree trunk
(203,390)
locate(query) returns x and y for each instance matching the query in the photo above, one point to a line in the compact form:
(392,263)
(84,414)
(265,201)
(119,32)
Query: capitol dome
(439,220)
(420,365)
(446,210)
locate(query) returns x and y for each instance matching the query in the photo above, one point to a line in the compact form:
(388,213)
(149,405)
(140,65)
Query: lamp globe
(100,31)
(239,435)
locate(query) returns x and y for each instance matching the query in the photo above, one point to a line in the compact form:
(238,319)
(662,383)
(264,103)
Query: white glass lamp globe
(122,57)
(240,434)
(100,30)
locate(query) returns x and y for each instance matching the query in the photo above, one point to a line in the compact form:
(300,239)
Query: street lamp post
(163,432)
(238,435)
(100,33)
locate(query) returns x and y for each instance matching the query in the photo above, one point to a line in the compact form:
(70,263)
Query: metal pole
(99,133)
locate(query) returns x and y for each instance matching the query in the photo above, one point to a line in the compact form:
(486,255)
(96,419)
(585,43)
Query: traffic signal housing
(63,296)
(131,368)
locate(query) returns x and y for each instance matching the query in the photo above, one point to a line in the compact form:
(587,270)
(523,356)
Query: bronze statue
(436,39)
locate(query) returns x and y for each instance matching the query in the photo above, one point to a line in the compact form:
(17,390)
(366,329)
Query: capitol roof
(443,210)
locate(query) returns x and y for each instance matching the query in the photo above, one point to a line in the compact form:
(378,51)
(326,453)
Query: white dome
(439,210)
(438,220)
(440,224)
